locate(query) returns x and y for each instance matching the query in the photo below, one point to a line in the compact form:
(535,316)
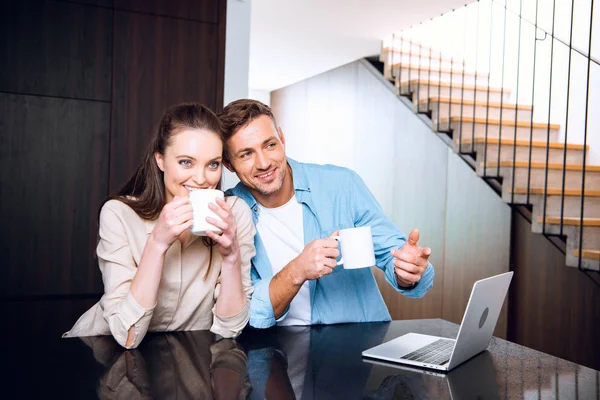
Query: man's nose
(262,162)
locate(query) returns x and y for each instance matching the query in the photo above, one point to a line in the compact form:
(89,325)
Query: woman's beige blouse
(186,298)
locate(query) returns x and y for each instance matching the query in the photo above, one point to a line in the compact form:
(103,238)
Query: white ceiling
(293,40)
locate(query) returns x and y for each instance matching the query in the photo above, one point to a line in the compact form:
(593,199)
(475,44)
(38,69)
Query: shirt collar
(299,178)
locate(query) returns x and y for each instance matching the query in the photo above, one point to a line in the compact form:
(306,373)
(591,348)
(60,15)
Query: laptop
(443,354)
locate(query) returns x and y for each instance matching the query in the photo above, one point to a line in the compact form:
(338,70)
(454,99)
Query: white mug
(356,246)
(200,199)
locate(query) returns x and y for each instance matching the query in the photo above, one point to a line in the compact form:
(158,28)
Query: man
(296,208)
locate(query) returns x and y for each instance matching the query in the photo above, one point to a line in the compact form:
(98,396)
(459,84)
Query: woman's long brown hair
(144,192)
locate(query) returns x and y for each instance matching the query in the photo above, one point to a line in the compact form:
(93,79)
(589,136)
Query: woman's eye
(214,165)
(185,163)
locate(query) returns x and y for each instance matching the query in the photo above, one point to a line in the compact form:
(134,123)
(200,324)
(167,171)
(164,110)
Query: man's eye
(214,165)
(185,163)
(270,145)
(244,155)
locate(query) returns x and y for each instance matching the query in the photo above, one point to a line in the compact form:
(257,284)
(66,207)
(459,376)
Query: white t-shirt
(282,232)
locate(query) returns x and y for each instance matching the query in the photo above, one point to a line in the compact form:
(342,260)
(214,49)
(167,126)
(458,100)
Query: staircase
(504,144)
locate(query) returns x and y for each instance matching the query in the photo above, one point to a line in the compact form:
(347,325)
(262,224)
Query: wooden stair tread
(588,253)
(525,143)
(505,122)
(436,70)
(424,54)
(543,165)
(466,102)
(571,221)
(556,191)
(453,85)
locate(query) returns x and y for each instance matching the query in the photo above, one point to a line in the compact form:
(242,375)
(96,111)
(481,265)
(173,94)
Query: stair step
(527,143)
(556,192)
(588,253)
(469,102)
(505,122)
(437,70)
(570,221)
(425,82)
(468,127)
(552,201)
(424,88)
(422,54)
(542,165)
(537,174)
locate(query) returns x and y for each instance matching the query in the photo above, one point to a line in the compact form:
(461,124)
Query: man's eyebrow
(250,149)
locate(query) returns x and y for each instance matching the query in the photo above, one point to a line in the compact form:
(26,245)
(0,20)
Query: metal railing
(522,50)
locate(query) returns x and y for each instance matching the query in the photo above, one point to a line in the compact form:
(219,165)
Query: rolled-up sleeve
(230,327)
(118,267)
(261,308)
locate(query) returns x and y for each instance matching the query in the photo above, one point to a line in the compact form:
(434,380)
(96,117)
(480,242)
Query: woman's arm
(236,246)
(131,291)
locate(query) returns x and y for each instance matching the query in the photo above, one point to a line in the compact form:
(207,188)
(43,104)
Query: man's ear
(281,136)
(159,161)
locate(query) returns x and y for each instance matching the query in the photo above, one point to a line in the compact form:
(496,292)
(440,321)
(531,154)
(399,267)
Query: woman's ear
(159,161)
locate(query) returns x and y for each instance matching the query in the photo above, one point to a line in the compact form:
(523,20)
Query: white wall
(237,59)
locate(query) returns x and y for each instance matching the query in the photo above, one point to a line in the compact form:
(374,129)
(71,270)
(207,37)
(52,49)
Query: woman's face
(191,161)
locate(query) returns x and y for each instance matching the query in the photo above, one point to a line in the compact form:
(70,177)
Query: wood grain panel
(200,10)
(157,62)
(53,177)
(477,239)
(55,49)
(553,308)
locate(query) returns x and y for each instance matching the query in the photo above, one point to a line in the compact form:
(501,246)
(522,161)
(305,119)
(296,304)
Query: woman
(157,275)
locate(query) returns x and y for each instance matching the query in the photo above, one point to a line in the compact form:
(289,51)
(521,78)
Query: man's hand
(316,260)
(410,261)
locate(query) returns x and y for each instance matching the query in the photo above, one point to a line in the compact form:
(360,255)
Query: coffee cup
(356,247)
(200,199)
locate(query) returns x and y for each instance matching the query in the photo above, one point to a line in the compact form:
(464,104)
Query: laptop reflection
(474,379)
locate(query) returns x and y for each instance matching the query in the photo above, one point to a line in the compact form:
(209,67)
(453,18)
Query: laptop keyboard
(436,353)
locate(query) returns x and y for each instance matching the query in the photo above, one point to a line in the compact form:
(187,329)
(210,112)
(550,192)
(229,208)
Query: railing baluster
(502,95)
(487,106)
(564,177)
(450,96)
(512,192)
(585,132)
(475,83)
(545,196)
(462,85)
(393,49)
(535,40)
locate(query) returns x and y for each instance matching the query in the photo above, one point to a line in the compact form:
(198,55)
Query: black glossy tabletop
(320,362)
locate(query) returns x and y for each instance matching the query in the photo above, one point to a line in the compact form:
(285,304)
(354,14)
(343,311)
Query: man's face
(257,156)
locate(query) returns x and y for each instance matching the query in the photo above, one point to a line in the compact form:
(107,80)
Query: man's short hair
(240,113)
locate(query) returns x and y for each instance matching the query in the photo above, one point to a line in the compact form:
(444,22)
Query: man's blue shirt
(333,198)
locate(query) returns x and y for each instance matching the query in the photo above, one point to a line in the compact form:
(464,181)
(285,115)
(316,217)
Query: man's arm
(387,239)
(316,260)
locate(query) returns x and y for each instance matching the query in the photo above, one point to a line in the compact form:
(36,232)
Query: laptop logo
(483,317)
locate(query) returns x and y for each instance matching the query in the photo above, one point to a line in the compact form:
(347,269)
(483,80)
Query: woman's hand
(175,217)
(228,244)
